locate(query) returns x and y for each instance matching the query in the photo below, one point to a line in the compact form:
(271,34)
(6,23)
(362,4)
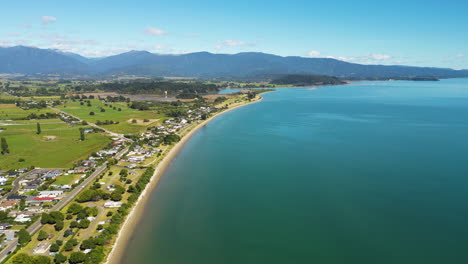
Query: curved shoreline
(126,230)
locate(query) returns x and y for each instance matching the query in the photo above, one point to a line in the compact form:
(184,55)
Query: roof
(44,198)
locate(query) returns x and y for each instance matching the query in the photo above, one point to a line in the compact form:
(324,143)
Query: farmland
(58,146)
(124,117)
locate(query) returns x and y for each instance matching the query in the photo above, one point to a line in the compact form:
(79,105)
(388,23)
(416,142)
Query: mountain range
(30,60)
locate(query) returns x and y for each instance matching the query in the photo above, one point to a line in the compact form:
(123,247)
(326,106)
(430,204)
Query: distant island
(307,80)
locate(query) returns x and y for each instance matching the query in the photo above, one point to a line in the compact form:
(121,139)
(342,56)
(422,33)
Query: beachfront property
(111,204)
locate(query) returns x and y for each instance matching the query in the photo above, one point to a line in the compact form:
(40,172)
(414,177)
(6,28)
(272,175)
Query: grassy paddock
(58,146)
(124,117)
(12,112)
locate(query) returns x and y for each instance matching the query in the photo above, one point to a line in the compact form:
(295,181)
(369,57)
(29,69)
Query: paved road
(16,185)
(37,225)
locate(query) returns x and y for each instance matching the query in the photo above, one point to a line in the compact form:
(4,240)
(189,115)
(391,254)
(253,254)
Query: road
(113,134)
(16,185)
(61,204)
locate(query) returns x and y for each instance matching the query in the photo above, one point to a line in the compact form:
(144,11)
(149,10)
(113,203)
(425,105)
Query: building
(22,218)
(3,180)
(8,205)
(50,193)
(4,226)
(15,197)
(111,204)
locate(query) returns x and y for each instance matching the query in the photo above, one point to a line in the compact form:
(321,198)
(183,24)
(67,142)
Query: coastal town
(74,214)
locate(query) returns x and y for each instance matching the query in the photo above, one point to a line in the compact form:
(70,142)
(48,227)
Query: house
(65,187)
(4,226)
(8,205)
(31,187)
(50,193)
(42,248)
(15,197)
(111,204)
(52,174)
(22,218)
(35,209)
(3,180)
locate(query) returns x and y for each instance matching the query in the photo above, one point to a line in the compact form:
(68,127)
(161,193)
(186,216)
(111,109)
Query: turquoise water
(229,91)
(373,172)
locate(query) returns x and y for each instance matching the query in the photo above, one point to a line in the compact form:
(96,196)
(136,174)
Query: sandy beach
(137,211)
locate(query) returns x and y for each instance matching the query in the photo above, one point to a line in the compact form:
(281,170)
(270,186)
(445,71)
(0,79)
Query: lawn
(58,146)
(12,112)
(124,117)
(68,179)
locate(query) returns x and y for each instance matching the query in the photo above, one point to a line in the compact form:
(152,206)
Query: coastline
(137,211)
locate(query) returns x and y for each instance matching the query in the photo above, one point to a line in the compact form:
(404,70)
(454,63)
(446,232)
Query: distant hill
(30,60)
(305,80)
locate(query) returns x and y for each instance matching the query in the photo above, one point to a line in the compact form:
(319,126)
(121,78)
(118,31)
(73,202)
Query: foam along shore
(137,211)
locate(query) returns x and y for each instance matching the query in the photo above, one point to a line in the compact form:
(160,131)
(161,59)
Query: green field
(59,151)
(12,112)
(124,117)
(68,179)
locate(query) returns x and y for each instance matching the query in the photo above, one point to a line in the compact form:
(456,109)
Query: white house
(50,193)
(3,180)
(111,204)
(22,218)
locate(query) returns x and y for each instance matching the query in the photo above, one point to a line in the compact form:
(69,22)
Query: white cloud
(460,55)
(48,19)
(234,43)
(4,42)
(313,53)
(380,56)
(155,32)
(366,59)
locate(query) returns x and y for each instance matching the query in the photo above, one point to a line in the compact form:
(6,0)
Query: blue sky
(422,33)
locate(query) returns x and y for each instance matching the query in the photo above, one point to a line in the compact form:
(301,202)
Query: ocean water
(366,173)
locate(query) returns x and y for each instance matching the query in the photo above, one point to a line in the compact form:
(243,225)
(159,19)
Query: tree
(67,233)
(4,145)
(82,134)
(91,113)
(123,173)
(41,260)
(70,244)
(84,223)
(74,208)
(54,248)
(38,128)
(59,225)
(23,237)
(116,196)
(57,216)
(87,244)
(59,258)
(42,235)
(22,259)
(45,218)
(73,224)
(77,257)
